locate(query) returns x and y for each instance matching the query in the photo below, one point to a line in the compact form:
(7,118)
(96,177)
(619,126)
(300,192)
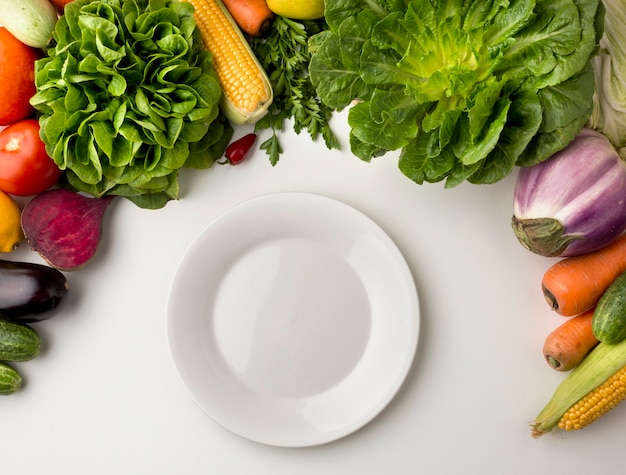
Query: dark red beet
(64,227)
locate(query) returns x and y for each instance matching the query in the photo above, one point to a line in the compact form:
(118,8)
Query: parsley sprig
(285,54)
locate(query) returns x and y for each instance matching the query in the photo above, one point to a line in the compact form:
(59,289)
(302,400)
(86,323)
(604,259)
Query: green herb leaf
(285,54)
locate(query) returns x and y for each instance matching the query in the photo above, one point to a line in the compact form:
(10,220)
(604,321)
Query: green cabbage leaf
(464,90)
(127,96)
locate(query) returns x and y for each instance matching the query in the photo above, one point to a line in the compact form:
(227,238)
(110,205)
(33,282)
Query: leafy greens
(127,96)
(610,72)
(465,90)
(285,54)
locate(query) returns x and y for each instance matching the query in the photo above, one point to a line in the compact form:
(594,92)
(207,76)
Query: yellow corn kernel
(596,403)
(247,93)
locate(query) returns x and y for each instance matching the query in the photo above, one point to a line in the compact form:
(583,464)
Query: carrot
(253,16)
(568,344)
(575,284)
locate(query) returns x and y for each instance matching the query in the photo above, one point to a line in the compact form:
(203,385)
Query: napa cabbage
(609,112)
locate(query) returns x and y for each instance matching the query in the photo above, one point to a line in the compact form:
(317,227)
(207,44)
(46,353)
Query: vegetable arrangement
(129,92)
(246,92)
(29,293)
(113,99)
(590,289)
(583,385)
(572,206)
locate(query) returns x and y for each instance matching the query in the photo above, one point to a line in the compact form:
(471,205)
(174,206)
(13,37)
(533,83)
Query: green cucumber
(18,342)
(10,380)
(609,317)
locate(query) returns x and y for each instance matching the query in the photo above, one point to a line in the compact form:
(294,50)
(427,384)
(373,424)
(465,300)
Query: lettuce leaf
(465,91)
(127,96)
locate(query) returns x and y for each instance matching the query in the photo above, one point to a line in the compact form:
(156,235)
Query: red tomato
(17,78)
(60,4)
(25,167)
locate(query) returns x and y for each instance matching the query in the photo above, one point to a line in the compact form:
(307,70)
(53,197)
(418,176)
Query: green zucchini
(609,317)
(10,380)
(18,342)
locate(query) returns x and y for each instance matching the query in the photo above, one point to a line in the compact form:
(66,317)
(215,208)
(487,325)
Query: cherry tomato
(17,78)
(60,4)
(25,167)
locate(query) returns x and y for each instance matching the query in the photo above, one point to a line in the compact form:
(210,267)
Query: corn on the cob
(247,92)
(596,403)
(604,366)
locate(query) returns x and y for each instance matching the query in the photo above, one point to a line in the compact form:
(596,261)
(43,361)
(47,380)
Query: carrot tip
(553,362)
(267,24)
(550,298)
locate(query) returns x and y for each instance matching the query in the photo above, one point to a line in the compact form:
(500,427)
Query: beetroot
(64,227)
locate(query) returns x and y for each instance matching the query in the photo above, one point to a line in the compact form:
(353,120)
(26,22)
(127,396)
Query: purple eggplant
(30,292)
(574,202)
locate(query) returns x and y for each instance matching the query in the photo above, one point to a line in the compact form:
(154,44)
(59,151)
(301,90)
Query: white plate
(293,319)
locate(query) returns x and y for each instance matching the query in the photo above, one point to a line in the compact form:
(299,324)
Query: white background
(104,396)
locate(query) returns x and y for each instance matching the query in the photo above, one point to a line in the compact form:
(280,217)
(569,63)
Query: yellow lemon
(10,224)
(298,9)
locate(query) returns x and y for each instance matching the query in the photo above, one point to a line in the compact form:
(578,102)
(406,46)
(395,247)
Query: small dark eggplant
(30,292)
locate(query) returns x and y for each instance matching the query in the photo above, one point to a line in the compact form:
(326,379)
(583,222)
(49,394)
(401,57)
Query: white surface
(302,329)
(105,397)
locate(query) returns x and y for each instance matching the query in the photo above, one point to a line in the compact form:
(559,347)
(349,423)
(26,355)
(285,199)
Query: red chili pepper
(237,151)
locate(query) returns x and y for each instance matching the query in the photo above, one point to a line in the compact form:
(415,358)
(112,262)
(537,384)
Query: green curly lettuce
(463,89)
(127,96)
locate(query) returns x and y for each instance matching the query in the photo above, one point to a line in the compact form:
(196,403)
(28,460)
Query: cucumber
(609,317)
(10,380)
(18,342)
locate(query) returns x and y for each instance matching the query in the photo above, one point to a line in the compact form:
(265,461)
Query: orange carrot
(575,283)
(568,344)
(253,16)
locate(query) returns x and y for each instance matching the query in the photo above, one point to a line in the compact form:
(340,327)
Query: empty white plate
(293,319)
